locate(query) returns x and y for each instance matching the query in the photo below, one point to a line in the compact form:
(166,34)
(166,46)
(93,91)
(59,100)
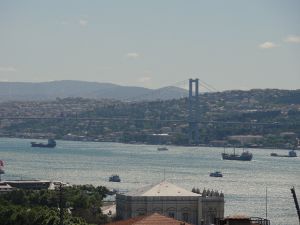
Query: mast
(1,168)
(296,202)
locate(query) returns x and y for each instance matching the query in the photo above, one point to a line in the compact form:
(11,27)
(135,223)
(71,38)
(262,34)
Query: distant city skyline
(230,44)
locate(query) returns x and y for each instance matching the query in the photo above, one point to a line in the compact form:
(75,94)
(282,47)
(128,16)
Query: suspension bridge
(193,120)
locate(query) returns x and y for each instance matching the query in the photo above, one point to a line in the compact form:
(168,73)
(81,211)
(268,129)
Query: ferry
(216,174)
(114,178)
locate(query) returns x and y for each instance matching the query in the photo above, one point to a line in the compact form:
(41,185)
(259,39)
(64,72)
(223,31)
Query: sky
(232,44)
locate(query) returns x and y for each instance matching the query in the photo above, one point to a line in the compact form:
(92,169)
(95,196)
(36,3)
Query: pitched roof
(152,219)
(164,188)
(130,221)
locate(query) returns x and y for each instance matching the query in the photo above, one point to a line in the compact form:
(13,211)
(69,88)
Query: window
(172,214)
(185,217)
(141,212)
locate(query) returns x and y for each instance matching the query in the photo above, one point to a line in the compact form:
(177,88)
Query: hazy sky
(230,44)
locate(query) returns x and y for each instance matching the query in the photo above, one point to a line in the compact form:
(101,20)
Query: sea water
(244,184)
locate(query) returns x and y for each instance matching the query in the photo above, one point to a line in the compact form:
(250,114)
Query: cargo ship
(292,153)
(245,156)
(51,144)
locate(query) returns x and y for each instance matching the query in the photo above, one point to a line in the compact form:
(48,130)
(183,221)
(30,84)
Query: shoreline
(142,143)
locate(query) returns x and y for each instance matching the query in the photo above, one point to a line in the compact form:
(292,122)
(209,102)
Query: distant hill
(26,91)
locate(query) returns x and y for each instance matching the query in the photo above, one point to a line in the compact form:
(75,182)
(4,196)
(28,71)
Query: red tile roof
(128,221)
(153,219)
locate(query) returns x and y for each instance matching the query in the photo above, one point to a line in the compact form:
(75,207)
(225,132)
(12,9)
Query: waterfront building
(172,201)
(29,184)
(4,188)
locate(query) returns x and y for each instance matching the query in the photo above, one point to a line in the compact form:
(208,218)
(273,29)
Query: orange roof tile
(127,222)
(153,219)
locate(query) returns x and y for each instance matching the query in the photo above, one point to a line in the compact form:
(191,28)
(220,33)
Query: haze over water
(244,183)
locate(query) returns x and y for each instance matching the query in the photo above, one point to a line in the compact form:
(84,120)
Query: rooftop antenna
(61,206)
(266,202)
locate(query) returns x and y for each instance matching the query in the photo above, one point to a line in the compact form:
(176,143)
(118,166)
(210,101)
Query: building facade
(172,201)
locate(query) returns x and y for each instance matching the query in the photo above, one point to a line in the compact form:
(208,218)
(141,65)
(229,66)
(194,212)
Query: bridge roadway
(148,120)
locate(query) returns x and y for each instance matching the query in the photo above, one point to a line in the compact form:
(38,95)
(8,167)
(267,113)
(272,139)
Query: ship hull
(236,157)
(51,144)
(40,145)
(283,156)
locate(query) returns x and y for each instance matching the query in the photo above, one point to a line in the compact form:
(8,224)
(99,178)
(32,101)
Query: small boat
(216,174)
(292,153)
(51,144)
(114,178)
(245,156)
(162,149)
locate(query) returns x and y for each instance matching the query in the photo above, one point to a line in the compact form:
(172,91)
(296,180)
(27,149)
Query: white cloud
(83,22)
(268,45)
(7,69)
(292,39)
(144,79)
(133,55)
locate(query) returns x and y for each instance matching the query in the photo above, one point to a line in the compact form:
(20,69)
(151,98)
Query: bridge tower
(194,112)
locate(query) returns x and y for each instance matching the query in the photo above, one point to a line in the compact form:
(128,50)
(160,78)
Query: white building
(170,200)
(4,188)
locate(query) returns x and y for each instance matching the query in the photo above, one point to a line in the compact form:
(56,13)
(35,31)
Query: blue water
(244,183)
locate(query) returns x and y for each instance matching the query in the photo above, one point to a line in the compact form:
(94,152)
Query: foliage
(19,215)
(41,207)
